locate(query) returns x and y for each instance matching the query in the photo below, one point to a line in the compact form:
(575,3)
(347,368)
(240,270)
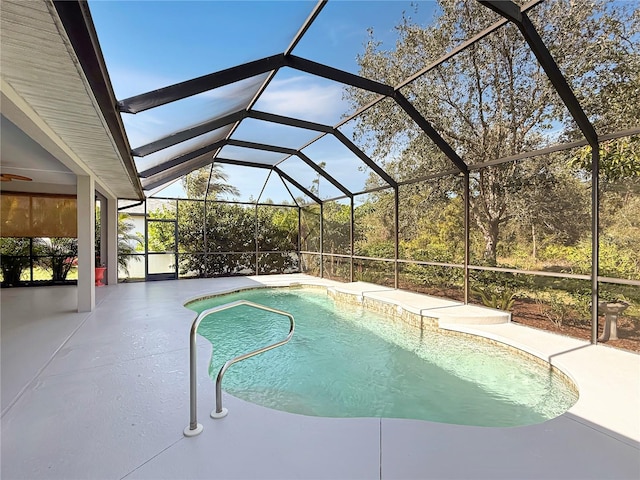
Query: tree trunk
(490,234)
(534,252)
(11,271)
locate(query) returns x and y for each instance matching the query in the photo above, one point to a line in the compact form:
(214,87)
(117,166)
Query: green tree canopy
(493,100)
(209,181)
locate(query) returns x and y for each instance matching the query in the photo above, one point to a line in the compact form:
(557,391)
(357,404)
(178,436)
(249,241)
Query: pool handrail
(194,428)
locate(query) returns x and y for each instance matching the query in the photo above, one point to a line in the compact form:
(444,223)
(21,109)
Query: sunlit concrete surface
(105,395)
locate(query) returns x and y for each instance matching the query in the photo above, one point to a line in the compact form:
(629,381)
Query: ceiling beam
(431,132)
(289,121)
(324,174)
(174,162)
(364,157)
(296,39)
(299,154)
(336,75)
(514,14)
(243,163)
(282,174)
(159,179)
(178,91)
(261,146)
(293,182)
(272,73)
(305,26)
(151,183)
(188,134)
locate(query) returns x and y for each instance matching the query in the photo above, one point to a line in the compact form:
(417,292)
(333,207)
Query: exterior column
(104,212)
(299,242)
(321,240)
(467,210)
(255,234)
(396,248)
(595,239)
(352,230)
(111,239)
(86,206)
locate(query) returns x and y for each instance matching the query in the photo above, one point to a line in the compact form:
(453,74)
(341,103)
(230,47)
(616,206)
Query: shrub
(502,299)
(14,258)
(554,308)
(57,254)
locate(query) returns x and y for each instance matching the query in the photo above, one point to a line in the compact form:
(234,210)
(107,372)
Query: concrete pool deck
(105,395)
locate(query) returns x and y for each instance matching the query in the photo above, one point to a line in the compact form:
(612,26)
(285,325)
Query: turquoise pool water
(344,361)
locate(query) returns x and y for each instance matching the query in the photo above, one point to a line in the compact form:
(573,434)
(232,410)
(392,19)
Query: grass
(43,274)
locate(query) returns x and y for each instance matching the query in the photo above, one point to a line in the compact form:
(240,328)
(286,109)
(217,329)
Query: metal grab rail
(194,428)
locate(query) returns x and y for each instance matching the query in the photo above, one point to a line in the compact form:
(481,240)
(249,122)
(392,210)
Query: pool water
(344,361)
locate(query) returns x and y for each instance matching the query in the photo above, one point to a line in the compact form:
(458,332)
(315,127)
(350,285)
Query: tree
(57,254)
(277,234)
(336,235)
(127,242)
(14,258)
(209,181)
(493,100)
(553,207)
(230,228)
(310,228)
(315,184)
(619,159)
(224,243)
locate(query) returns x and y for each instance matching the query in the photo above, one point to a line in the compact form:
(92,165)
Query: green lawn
(43,274)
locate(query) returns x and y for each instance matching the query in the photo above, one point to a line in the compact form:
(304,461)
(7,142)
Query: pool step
(471,315)
(445,311)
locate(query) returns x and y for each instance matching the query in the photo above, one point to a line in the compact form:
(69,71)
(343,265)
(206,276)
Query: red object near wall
(100,276)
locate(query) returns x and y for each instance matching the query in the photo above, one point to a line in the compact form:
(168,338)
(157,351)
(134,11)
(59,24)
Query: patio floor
(105,395)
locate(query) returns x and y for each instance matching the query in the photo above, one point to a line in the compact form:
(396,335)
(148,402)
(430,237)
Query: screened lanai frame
(177,166)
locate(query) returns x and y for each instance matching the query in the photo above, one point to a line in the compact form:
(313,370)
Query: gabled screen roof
(278,90)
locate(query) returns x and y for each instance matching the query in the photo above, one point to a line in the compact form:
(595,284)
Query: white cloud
(128,82)
(299,98)
(141,130)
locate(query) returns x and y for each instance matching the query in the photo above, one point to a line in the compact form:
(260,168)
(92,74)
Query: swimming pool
(344,361)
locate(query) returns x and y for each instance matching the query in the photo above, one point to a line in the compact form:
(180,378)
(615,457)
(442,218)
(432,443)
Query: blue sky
(151,44)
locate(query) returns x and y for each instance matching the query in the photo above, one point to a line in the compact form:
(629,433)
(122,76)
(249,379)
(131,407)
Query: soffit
(38,62)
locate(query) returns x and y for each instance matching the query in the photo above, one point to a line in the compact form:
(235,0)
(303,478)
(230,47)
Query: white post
(112,241)
(86,243)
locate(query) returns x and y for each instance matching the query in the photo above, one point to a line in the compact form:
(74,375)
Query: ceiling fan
(9,177)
